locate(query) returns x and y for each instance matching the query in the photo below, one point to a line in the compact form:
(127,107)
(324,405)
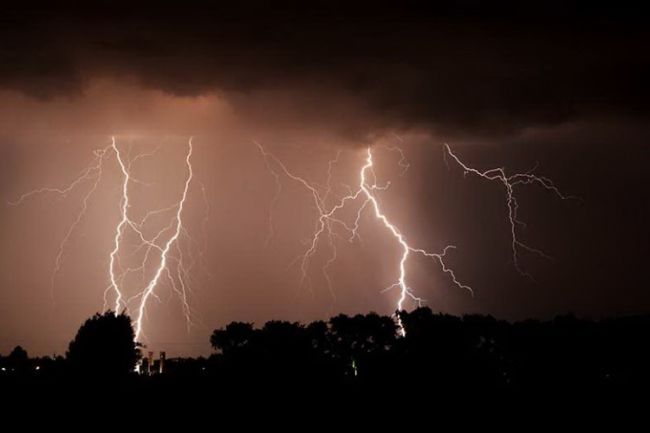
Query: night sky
(557,85)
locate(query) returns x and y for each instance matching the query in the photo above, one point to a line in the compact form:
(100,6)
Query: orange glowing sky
(307,89)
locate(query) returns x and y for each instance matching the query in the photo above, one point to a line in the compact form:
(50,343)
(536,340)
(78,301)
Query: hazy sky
(559,84)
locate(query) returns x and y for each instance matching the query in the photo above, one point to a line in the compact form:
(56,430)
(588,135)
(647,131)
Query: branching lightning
(158,253)
(509,182)
(163,248)
(164,254)
(364,196)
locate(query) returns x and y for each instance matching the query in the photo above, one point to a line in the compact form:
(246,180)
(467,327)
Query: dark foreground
(352,362)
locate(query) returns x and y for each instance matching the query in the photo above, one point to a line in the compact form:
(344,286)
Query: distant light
(4,369)
(38,367)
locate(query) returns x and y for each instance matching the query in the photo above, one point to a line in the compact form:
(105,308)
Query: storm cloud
(454,68)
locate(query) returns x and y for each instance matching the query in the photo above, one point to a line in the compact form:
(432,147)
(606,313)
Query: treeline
(456,354)
(419,349)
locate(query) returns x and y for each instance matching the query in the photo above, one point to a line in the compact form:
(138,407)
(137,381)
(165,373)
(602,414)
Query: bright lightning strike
(365,196)
(405,290)
(162,251)
(149,290)
(120,227)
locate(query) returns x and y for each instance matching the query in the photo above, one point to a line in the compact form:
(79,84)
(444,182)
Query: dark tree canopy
(104,345)
(236,335)
(355,358)
(18,355)
(18,360)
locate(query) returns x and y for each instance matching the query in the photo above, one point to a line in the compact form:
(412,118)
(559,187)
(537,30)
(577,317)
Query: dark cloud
(456,66)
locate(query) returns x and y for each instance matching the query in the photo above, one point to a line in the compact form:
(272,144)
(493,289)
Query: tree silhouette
(350,358)
(18,360)
(104,345)
(362,340)
(237,335)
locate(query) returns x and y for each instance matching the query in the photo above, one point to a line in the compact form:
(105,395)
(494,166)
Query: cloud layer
(456,67)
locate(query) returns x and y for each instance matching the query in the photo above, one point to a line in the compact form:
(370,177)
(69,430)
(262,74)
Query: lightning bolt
(119,232)
(405,290)
(171,264)
(149,290)
(509,182)
(93,172)
(363,196)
